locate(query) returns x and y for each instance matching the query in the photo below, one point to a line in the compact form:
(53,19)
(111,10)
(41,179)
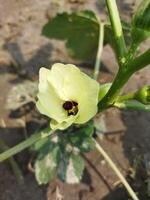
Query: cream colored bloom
(66,95)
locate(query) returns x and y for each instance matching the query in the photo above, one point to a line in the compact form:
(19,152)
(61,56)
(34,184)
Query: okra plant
(71,99)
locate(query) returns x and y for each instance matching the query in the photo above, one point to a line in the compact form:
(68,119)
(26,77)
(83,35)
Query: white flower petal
(42,109)
(87,110)
(88,100)
(52,106)
(43,77)
(65,79)
(49,102)
(75,85)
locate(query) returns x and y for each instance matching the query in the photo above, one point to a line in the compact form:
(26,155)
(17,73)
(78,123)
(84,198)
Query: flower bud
(143,95)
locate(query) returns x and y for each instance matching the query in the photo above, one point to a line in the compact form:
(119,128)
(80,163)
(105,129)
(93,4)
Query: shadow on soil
(28,68)
(135,140)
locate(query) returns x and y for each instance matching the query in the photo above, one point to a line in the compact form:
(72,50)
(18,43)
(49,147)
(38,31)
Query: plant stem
(131,52)
(122,77)
(116,170)
(111,96)
(121,51)
(128,65)
(117,30)
(99,51)
(132,105)
(23,145)
(140,62)
(128,96)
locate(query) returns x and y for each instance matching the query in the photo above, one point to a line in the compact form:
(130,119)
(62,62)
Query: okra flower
(66,95)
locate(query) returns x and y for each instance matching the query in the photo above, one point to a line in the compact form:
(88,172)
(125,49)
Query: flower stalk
(99,51)
(25,144)
(132,105)
(116,170)
(129,96)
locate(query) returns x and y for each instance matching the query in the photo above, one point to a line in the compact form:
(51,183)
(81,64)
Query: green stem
(122,77)
(128,96)
(127,63)
(99,51)
(140,62)
(117,30)
(116,170)
(111,96)
(131,52)
(23,145)
(132,105)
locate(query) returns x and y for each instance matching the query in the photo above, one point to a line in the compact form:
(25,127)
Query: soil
(127,136)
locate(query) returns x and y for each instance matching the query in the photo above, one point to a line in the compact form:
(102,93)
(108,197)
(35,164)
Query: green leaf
(87,145)
(87,130)
(46,164)
(71,168)
(62,169)
(103,90)
(78,165)
(82,137)
(77,139)
(80,30)
(141,22)
(39,144)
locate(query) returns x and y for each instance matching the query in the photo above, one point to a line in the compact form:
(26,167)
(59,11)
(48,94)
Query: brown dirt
(128,132)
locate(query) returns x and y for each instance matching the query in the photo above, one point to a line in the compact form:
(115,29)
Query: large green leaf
(59,155)
(141,22)
(80,30)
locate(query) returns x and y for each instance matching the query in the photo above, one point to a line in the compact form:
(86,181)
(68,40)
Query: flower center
(71,107)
